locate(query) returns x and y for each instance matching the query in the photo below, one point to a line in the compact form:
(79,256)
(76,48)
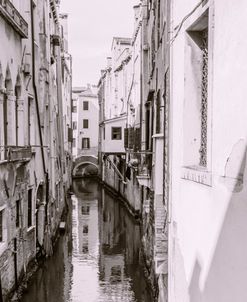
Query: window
(158,108)
(1,226)
(74,125)
(30,101)
(74,142)
(85,248)
(116,133)
(85,210)
(74,109)
(29,210)
(85,124)
(85,105)
(196,94)
(5,119)
(85,229)
(17,213)
(85,143)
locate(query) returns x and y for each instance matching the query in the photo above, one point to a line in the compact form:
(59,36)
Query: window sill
(197,174)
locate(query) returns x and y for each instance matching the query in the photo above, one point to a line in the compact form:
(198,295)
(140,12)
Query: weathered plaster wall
(109,145)
(208,223)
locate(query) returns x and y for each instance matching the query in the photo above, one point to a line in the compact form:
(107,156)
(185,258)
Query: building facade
(137,172)
(188,167)
(85,120)
(208,154)
(32,161)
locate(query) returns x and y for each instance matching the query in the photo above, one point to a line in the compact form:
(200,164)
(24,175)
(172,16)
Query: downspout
(35,87)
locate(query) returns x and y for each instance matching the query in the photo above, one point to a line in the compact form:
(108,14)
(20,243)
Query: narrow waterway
(98,259)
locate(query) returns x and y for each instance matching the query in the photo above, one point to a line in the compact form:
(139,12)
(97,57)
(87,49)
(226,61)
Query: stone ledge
(197,174)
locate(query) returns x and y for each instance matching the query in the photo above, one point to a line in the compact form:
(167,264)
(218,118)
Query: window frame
(85,105)
(85,124)
(87,139)
(193,171)
(112,133)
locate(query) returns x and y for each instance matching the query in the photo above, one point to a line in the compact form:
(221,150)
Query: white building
(208,209)
(114,87)
(85,116)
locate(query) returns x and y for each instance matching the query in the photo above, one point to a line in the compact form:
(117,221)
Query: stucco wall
(208,223)
(109,145)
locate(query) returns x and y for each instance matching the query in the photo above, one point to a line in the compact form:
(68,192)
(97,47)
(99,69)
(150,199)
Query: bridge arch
(85,165)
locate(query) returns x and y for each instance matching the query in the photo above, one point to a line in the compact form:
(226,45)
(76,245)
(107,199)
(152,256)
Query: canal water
(98,259)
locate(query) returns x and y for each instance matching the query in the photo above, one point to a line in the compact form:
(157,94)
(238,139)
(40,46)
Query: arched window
(7,110)
(17,112)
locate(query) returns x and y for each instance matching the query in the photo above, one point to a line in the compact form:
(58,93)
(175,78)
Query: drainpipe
(35,87)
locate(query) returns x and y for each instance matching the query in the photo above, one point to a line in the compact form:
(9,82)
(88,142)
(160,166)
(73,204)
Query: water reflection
(104,263)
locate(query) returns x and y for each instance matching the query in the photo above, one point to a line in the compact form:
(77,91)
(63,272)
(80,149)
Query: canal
(98,259)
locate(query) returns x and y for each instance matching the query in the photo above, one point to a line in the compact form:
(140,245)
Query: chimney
(137,11)
(109,62)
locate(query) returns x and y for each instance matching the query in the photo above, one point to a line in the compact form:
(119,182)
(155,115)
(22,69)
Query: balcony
(15,153)
(14,18)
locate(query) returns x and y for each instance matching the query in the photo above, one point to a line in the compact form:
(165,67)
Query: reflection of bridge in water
(85,165)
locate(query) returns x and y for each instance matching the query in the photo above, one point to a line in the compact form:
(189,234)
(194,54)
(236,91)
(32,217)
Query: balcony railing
(13,17)
(15,153)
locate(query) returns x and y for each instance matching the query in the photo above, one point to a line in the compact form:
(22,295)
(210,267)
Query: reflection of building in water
(116,231)
(85,218)
(88,227)
(117,284)
(114,268)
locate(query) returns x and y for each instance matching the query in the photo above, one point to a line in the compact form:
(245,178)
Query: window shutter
(131,138)
(70,135)
(126,138)
(137,142)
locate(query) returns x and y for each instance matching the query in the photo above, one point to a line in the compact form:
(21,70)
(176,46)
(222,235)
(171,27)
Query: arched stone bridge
(85,165)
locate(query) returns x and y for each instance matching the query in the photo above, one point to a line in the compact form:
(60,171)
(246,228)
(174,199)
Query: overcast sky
(92,25)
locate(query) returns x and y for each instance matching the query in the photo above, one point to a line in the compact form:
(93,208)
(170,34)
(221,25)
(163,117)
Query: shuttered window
(126,138)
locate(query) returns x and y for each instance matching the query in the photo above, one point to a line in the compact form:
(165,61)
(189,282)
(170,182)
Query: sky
(92,25)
